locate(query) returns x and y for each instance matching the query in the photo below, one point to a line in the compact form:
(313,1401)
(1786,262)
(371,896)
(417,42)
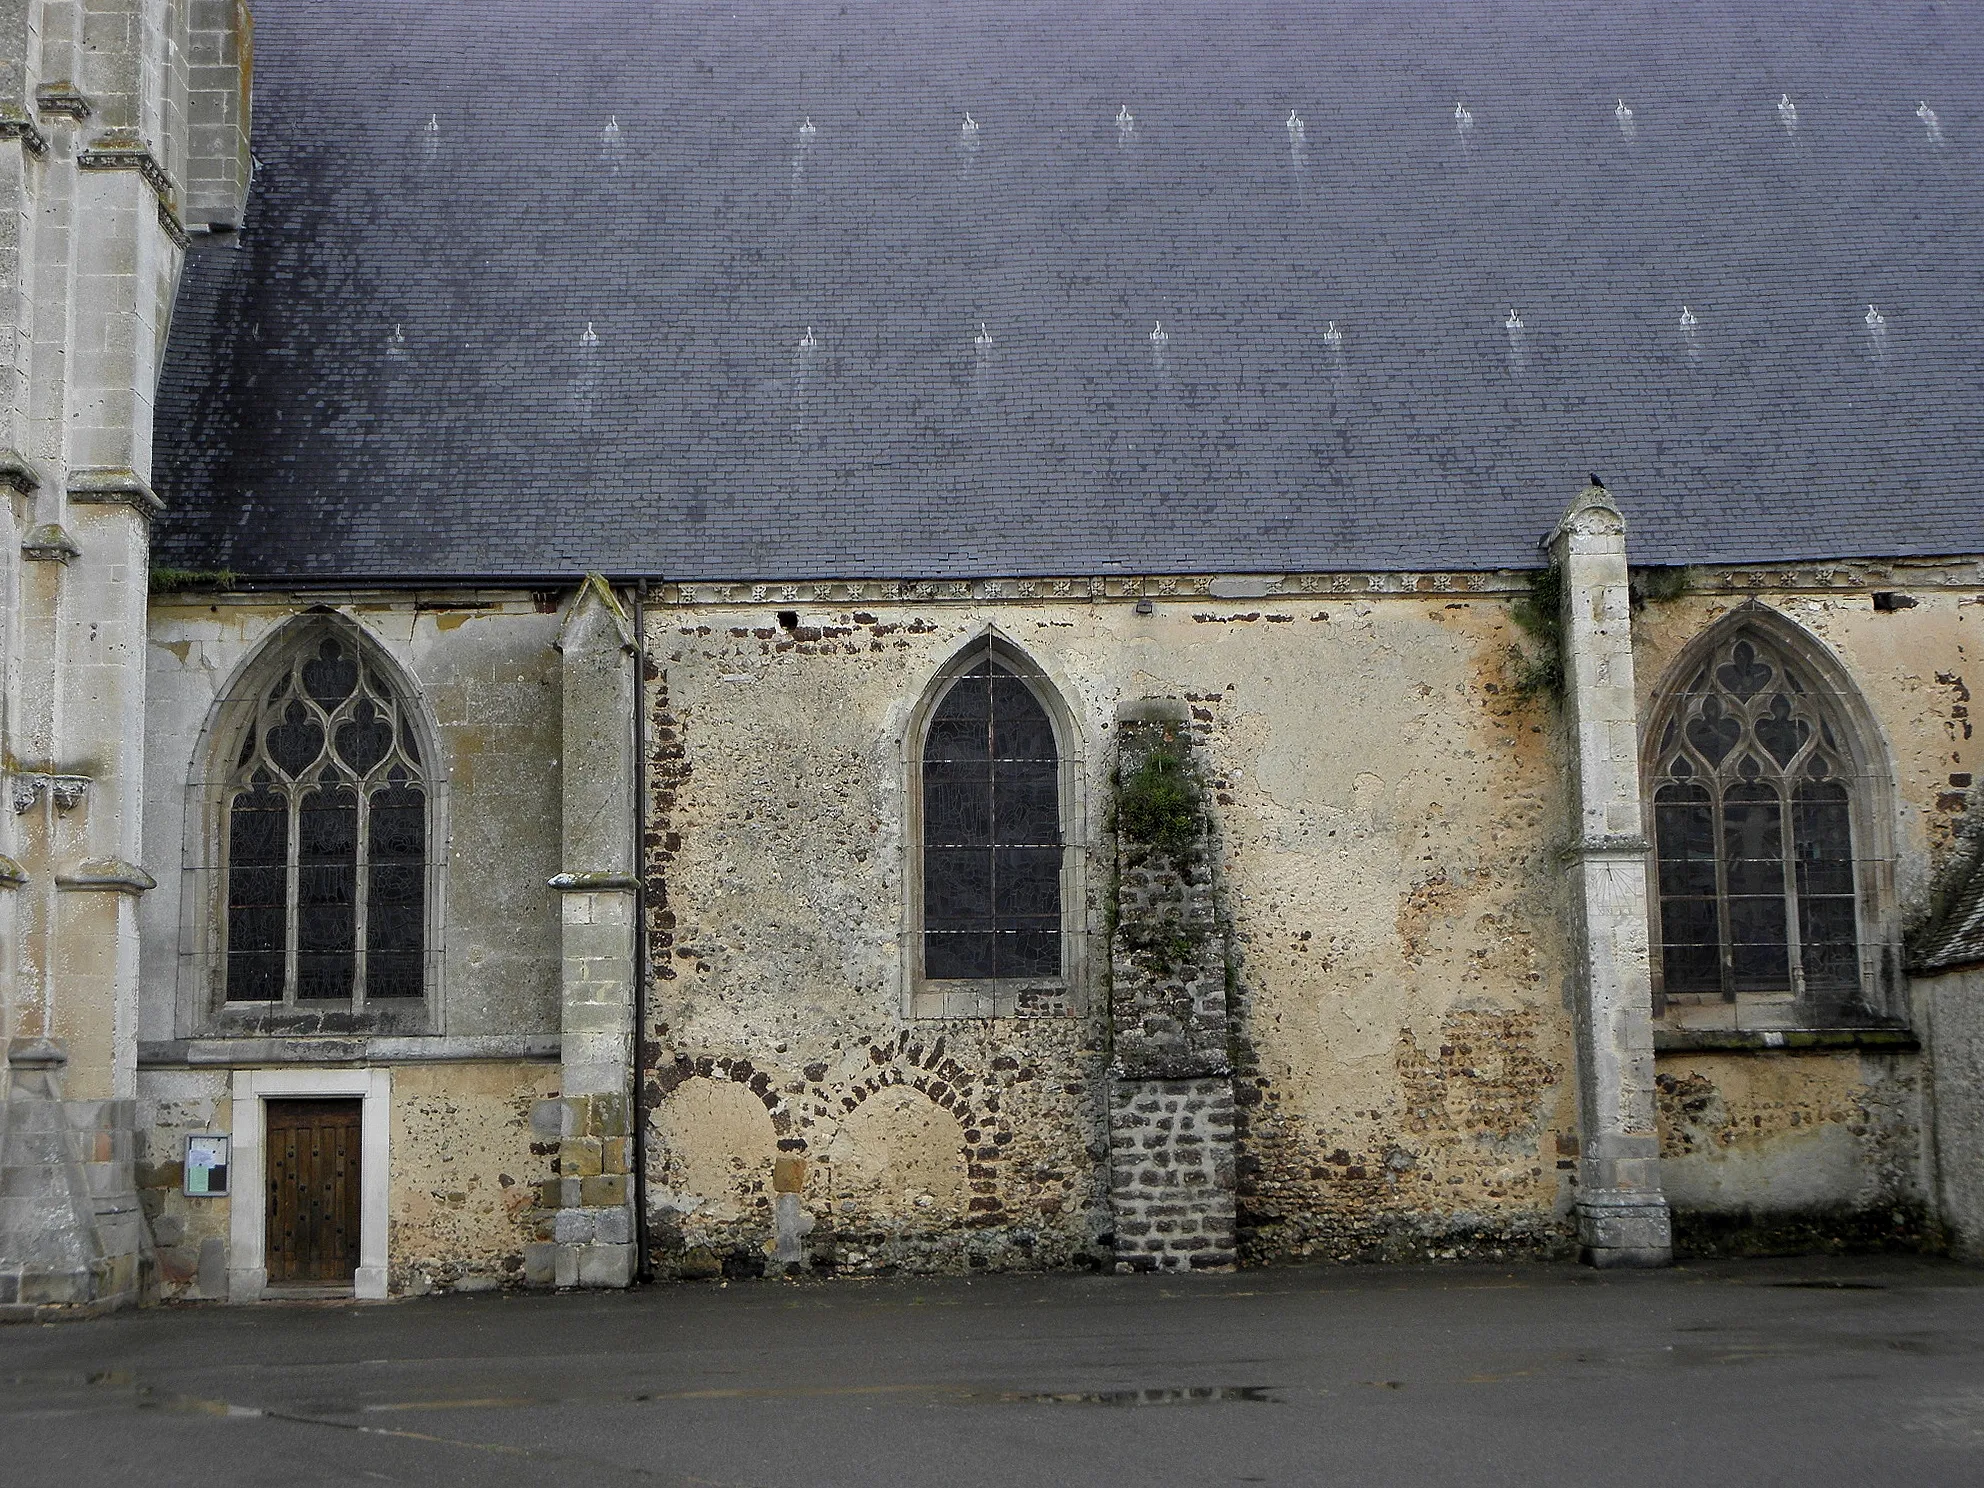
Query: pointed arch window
(1759,814)
(324,830)
(989,924)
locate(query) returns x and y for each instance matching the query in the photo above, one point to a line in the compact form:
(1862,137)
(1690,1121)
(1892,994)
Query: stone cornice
(1592,512)
(106,876)
(1784,1040)
(62,98)
(12,874)
(169,221)
(415,1048)
(594,883)
(123,150)
(48,543)
(15,471)
(99,487)
(1622,845)
(15,126)
(1293,588)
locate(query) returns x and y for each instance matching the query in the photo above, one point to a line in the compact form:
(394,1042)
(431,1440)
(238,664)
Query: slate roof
(1956,938)
(299,434)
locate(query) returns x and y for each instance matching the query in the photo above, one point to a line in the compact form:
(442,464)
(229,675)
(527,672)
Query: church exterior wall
(464,1177)
(485,668)
(1387,806)
(1794,1147)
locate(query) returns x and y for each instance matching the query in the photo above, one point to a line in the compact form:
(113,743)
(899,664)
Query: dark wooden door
(313,1190)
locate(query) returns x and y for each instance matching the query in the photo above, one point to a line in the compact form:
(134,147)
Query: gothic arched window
(323,830)
(1759,812)
(991,850)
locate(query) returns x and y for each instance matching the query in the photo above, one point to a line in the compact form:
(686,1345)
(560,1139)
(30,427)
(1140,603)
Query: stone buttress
(1622,1217)
(1171,1116)
(95,143)
(586,1211)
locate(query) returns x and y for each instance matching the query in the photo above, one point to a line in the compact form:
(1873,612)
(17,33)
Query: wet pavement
(1819,1371)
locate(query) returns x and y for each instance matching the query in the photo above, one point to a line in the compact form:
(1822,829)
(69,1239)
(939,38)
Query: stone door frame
(247,1273)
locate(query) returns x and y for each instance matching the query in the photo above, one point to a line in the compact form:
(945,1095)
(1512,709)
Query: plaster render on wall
(462,1187)
(1364,902)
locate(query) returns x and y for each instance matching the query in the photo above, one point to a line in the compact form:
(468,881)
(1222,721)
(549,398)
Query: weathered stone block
(606,1266)
(613,1226)
(603,1190)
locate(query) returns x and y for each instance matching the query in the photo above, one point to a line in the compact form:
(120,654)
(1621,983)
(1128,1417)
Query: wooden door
(313,1190)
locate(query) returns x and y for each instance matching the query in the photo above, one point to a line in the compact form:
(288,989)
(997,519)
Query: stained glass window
(326,839)
(1754,838)
(991,831)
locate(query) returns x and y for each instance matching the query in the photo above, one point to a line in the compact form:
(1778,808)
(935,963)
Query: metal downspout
(643,1268)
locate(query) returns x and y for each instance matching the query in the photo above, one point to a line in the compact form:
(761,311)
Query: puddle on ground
(1168,1395)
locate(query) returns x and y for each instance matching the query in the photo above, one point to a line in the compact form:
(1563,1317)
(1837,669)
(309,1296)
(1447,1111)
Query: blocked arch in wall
(202,1001)
(1841,741)
(924,996)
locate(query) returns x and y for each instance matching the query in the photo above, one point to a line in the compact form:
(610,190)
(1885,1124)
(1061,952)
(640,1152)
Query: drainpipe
(638,1152)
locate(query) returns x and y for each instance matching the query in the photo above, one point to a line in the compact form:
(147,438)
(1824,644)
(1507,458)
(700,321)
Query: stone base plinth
(1171,1173)
(71,1234)
(585,1223)
(1619,1228)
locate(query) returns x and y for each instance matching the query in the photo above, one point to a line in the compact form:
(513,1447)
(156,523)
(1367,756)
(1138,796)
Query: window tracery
(1757,821)
(324,839)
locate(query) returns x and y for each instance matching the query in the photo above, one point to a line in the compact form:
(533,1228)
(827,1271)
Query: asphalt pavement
(1808,1372)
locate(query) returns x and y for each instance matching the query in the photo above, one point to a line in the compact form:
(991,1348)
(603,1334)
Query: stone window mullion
(293,801)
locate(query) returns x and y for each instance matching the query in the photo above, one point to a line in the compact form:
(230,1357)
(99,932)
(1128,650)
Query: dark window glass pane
(1822,835)
(1745,674)
(1753,840)
(1027,801)
(957,887)
(1780,733)
(331,675)
(957,802)
(395,893)
(1760,958)
(1684,827)
(1020,729)
(326,893)
(1687,877)
(1688,922)
(957,739)
(992,860)
(257,895)
(365,738)
(1027,885)
(960,729)
(295,743)
(1691,968)
(1713,731)
(1762,967)
(409,746)
(958,953)
(1832,957)
(1756,920)
(1030,953)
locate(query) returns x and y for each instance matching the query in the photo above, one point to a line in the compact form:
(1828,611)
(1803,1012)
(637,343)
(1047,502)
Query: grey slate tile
(697,439)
